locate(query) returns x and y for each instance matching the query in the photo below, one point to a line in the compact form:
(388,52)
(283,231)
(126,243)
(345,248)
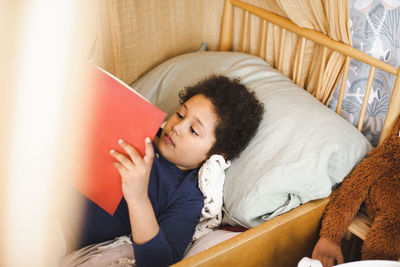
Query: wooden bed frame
(284,240)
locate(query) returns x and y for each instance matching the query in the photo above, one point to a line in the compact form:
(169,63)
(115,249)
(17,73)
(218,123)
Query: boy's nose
(177,128)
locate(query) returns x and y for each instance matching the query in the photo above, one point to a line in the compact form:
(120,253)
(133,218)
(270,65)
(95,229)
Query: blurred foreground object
(43,45)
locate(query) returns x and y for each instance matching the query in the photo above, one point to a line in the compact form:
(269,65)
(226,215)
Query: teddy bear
(375,181)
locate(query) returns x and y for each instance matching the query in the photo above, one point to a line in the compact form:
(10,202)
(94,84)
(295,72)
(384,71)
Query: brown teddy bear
(376,182)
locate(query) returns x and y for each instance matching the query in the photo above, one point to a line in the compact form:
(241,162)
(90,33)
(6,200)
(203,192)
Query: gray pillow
(301,149)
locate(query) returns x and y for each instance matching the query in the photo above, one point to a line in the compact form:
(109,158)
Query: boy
(162,202)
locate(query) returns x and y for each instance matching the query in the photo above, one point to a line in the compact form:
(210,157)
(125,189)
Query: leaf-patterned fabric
(375,30)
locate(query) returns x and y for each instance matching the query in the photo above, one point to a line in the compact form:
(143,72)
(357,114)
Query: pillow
(208,240)
(374,29)
(300,151)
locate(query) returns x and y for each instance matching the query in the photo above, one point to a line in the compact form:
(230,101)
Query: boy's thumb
(149,152)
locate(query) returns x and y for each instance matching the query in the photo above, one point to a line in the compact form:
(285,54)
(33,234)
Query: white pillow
(301,149)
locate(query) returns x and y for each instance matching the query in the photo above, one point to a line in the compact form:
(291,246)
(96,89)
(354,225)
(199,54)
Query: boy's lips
(169,140)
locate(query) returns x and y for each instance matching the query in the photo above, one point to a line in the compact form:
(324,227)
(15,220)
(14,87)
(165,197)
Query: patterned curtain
(375,30)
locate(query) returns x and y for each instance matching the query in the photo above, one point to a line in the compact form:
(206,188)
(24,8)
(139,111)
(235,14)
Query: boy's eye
(179,115)
(193,131)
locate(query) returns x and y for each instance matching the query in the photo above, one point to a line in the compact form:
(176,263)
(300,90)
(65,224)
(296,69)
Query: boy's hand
(327,251)
(134,170)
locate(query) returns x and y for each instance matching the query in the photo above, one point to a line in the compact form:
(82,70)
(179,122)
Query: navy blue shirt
(177,202)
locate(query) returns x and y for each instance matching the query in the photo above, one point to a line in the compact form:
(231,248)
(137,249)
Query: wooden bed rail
(282,241)
(226,37)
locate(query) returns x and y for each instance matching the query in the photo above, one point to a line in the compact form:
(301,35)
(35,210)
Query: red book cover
(116,111)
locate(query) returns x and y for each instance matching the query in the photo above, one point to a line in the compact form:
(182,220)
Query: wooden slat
(360,225)
(366,97)
(225,39)
(244,41)
(343,85)
(393,109)
(295,63)
(299,66)
(263,39)
(281,49)
(321,72)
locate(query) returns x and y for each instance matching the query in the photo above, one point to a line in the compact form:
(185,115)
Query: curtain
(329,17)
(135,36)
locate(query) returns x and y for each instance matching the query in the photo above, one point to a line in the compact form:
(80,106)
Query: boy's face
(189,134)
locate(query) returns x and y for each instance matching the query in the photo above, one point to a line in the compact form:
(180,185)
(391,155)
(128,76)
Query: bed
(287,236)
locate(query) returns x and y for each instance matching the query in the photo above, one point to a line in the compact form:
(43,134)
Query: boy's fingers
(123,160)
(149,152)
(120,168)
(132,152)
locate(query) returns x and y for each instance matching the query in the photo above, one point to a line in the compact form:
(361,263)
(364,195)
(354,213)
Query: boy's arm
(135,174)
(169,236)
(177,226)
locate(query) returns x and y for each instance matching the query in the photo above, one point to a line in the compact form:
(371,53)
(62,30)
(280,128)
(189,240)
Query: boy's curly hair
(238,109)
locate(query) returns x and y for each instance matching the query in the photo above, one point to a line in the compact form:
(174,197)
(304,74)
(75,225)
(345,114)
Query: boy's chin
(167,152)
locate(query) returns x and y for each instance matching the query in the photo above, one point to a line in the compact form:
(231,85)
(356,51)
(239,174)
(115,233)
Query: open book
(116,111)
